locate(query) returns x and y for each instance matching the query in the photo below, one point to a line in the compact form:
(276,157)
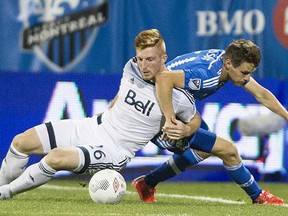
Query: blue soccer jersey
(202,71)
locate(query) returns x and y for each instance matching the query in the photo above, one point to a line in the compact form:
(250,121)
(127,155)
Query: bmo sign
(280,22)
(211,23)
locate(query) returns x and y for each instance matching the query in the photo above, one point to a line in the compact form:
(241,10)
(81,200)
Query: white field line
(202,198)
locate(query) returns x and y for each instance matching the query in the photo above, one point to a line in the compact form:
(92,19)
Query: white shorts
(91,139)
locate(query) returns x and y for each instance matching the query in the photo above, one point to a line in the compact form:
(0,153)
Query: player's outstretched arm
(165,82)
(265,97)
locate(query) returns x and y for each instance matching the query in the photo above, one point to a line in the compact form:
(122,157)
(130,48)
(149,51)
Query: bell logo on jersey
(194,84)
(144,108)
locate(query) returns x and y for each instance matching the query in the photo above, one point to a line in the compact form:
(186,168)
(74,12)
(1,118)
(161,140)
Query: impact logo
(60,32)
(194,84)
(280,22)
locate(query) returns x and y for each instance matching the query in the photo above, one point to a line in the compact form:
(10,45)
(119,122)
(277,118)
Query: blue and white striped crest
(60,32)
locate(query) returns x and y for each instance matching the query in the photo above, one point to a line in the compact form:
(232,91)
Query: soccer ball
(107,186)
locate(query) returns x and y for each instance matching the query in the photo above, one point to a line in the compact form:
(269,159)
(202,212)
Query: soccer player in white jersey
(203,73)
(105,141)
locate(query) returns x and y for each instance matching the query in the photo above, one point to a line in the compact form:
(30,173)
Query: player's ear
(228,63)
(164,58)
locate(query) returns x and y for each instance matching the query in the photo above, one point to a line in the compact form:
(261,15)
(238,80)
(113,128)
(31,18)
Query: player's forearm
(164,90)
(265,97)
(281,111)
(193,125)
(272,103)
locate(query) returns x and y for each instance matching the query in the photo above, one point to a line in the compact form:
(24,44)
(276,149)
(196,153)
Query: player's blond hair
(240,51)
(149,38)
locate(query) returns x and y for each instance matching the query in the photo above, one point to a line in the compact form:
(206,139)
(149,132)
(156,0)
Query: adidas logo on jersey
(131,80)
(194,84)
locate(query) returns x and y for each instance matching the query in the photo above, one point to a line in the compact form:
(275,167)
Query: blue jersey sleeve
(202,71)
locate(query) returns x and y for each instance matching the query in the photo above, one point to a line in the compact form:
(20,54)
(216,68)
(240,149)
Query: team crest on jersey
(194,84)
(60,32)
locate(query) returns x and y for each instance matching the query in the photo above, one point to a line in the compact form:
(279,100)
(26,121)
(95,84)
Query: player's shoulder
(131,68)
(183,96)
(215,51)
(199,53)
(212,55)
(131,63)
(195,59)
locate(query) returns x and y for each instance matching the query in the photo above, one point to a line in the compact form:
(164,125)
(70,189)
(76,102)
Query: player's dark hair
(149,38)
(240,51)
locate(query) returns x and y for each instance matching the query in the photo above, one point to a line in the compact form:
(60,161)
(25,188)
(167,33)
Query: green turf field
(67,197)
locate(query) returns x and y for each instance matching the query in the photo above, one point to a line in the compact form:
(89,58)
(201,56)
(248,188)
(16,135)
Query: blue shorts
(203,139)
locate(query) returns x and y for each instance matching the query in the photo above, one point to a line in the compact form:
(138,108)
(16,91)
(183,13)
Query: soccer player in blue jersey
(203,73)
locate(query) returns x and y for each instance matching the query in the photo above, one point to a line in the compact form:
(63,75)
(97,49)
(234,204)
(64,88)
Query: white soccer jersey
(110,140)
(136,117)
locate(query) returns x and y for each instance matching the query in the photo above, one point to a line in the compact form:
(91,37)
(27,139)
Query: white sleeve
(184,105)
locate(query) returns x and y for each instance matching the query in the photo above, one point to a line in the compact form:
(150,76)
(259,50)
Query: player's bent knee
(54,159)
(20,144)
(232,156)
(28,142)
(62,159)
(227,151)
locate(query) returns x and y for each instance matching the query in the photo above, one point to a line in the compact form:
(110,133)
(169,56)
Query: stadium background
(64,59)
